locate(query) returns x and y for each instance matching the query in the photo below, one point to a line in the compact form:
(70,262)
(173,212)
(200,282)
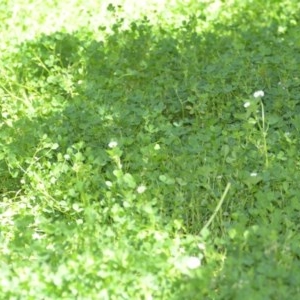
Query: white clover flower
(37,236)
(67,157)
(79,221)
(258,94)
(201,246)
(192,262)
(246,104)
(108,183)
(141,189)
(112,144)
(253,174)
(5,115)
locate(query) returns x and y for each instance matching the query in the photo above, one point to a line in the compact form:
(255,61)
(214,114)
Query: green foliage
(150,157)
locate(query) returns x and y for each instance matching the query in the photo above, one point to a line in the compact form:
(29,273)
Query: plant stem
(264,133)
(218,206)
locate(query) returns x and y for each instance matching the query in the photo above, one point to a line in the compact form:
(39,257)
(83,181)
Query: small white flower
(156,147)
(108,183)
(50,247)
(41,186)
(253,174)
(5,115)
(201,246)
(246,104)
(258,94)
(67,157)
(193,262)
(141,189)
(112,144)
(37,236)
(79,221)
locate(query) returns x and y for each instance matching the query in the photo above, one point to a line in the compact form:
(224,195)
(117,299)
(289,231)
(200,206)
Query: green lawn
(150,150)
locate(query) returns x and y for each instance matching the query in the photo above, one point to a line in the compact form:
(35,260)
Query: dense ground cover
(150,157)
